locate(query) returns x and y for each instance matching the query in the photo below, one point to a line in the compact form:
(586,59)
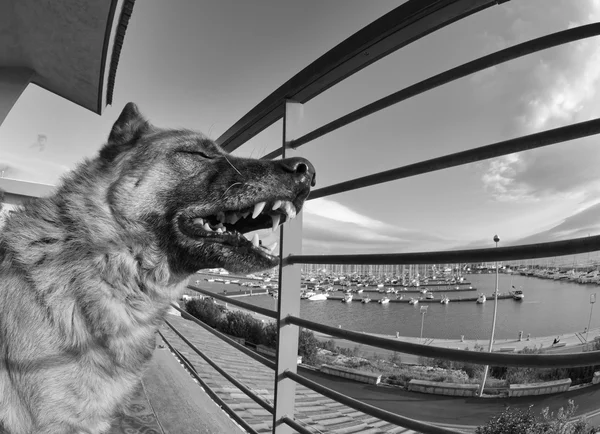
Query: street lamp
(423,312)
(592,301)
(487,367)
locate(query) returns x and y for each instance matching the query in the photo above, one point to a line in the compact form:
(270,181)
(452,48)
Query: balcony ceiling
(72,46)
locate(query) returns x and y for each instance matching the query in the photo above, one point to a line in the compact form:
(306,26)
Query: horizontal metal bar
(224,373)
(263,311)
(292,423)
(524,143)
(227,339)
(379,413)
(396,29)
(481,358)
(230,411)
(502,56)
(525,251)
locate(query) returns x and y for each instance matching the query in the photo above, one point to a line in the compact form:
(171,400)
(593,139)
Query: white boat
(384,300)
(518,295)
(413,301)
(445,300)
(318,297)
(347,298)
(359,291)
(307,294)
(366,300)
(429,296)
(481,299)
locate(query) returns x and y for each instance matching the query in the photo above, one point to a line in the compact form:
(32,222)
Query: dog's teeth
(255,240)
(220,230)
(246,214)
(220,225)
(290,209)
(258,209)
(276,205)
(272,247)
(276,218)
(207,227)
(198,221)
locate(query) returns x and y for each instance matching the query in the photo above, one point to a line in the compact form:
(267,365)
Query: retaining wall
(546,388)
(437,388)
(351,374)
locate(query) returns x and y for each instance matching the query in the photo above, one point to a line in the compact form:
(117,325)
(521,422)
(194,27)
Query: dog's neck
(95,258)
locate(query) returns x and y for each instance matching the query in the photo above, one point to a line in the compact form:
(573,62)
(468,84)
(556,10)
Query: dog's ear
(129,127)
(127,130)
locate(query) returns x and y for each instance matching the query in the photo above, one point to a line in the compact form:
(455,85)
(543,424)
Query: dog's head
(194,199)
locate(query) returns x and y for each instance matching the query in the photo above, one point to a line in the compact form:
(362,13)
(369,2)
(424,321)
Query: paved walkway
(139,418)
(318,413)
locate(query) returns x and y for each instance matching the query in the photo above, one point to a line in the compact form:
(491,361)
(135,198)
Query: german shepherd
(87,275)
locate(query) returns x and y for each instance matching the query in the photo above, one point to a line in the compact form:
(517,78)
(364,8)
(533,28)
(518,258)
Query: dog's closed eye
(198,153)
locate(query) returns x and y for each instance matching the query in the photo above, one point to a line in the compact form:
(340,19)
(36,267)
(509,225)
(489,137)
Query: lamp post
(487,367)
(592,301)
(423,312)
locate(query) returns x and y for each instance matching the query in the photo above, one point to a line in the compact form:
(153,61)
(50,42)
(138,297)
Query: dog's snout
(300,167)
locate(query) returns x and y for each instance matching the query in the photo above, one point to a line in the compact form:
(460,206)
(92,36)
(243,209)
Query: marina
(548,307)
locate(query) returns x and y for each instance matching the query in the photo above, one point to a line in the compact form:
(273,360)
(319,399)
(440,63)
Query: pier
(431,300)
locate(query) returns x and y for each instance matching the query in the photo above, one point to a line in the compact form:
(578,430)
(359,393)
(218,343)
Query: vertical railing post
(289,295)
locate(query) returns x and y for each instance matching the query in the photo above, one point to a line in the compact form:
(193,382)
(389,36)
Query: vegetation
(522,375)
(242,325)
(516,421)
(314,352)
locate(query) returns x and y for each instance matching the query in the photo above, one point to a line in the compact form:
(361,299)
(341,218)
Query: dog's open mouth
(228,226)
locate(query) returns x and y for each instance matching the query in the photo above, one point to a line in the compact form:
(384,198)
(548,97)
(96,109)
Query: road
(453,410)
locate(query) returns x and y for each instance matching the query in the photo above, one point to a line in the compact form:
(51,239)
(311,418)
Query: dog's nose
(300,167)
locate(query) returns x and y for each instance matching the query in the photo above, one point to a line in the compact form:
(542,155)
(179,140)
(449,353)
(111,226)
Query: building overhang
(71,47)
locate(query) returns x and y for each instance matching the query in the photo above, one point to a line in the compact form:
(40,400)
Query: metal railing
(407,23)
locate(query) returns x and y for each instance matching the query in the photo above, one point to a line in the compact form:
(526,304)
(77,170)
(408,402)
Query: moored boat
(481,299)
(518,295)
(384,300)
(318,297)
(445,300)
(347,298)
(366,300)
(413,301)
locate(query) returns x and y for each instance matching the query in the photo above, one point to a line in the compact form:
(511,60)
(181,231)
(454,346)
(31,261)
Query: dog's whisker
(234,168)
(228,188)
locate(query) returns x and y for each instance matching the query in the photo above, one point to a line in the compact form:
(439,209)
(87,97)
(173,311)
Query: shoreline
(572,342)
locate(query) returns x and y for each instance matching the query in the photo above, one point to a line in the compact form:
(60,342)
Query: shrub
(206,310)
(269,336)
(510,421)
(308,346)
(239,324)
(328,345)
(515,421)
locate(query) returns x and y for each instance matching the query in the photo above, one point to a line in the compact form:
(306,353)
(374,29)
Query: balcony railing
(402,26)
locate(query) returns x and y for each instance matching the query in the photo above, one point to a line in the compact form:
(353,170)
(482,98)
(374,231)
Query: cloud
(558,87)
(580,224)
(331,227)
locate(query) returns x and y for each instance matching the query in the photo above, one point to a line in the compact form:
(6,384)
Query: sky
(204,64)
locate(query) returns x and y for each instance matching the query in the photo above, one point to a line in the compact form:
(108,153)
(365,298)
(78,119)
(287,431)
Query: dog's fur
(87,274)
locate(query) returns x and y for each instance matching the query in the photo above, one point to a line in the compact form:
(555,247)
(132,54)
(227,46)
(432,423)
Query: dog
(87,274)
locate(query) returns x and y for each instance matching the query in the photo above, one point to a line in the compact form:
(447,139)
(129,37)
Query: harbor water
(550,308)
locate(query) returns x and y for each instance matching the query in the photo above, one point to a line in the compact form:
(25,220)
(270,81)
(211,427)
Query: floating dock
(425,300)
